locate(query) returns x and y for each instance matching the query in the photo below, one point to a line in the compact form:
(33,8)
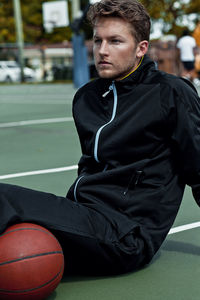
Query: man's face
(116,53)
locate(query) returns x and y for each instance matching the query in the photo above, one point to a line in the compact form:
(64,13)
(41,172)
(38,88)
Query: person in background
(187,46)
(197,66)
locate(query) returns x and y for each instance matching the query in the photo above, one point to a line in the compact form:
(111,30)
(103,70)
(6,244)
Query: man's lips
(102,62)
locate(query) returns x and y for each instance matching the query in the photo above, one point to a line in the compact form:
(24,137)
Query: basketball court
(40,150)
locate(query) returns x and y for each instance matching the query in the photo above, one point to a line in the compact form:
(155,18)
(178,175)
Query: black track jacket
(140,140)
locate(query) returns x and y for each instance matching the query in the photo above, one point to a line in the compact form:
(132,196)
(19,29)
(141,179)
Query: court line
(75,167)
(184,227)
(38,172)
(64,102)
(35,122)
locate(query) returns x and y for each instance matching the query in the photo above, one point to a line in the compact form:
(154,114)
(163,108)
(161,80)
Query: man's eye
(115,41)
(97,41)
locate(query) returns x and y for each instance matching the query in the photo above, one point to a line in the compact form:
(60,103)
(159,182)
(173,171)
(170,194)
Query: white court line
(64,102)
(35,122)
(74,167)
(38,172)
(184,227)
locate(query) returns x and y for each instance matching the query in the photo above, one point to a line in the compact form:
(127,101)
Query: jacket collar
(141,71)
(135,77)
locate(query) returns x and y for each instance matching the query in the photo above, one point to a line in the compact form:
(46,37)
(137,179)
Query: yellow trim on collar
(134,69)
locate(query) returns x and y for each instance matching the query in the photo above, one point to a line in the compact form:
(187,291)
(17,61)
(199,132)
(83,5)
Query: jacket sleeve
(185,134)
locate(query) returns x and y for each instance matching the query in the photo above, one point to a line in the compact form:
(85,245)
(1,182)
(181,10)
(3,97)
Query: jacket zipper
(107,92)
(96,144)
(111,88)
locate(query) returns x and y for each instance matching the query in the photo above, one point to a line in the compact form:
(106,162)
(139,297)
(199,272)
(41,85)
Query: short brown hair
(131,11)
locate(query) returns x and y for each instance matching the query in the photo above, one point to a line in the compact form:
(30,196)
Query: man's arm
(185,135)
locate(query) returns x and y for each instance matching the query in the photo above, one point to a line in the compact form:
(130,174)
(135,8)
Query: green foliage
(6,22)
(32,24)
(167,10)
(172,11)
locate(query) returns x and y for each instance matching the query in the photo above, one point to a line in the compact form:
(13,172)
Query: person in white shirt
(186,45)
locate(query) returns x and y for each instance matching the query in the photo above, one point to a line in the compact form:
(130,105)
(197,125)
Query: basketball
(31,262)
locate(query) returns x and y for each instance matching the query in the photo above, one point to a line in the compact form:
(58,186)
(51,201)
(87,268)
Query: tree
(173,13)
(7,23)
(170,12)
(32,24)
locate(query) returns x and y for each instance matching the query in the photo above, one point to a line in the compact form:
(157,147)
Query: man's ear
(142,48)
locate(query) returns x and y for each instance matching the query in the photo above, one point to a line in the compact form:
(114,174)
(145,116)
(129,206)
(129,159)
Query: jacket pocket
(134,181)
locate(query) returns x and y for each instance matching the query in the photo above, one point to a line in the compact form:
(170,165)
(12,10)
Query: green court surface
(38,135)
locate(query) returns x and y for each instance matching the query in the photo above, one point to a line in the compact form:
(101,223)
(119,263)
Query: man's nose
(103,50)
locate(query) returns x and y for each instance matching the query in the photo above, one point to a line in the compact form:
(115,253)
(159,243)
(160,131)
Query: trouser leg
(89,241)
(18,204)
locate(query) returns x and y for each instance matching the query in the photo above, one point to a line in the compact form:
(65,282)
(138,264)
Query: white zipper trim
(112,87)
(75,188)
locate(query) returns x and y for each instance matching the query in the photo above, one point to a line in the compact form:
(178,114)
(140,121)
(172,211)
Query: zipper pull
(136,181)
(125,192)
(138,175)
(107,92)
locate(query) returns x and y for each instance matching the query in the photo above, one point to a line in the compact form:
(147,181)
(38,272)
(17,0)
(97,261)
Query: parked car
(10,72)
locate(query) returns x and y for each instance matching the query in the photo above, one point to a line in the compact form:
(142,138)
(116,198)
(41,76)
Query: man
(139,130)
(187,45)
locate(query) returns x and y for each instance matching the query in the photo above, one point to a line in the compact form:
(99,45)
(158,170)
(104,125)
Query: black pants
(90,242)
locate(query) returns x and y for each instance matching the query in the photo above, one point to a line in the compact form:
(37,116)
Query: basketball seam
(33,289)
(30,256)
(20,229)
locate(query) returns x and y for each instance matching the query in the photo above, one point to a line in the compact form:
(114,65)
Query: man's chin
(106,75)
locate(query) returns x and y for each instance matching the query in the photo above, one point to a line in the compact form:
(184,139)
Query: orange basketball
(31,262)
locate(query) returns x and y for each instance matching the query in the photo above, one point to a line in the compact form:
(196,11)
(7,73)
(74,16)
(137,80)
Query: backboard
(55,14)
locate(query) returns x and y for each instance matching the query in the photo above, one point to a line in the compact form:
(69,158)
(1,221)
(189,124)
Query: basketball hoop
(49,26)
(55,14)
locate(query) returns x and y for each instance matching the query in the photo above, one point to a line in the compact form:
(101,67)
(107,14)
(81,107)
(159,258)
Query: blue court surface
(40,150)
